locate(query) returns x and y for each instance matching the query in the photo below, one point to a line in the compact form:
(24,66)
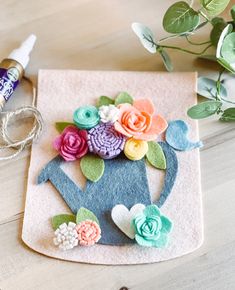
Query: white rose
(108,114)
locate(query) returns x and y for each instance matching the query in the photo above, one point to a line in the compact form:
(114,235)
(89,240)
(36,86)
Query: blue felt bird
(177,136)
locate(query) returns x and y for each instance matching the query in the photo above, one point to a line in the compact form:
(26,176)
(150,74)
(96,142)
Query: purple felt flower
(105,141)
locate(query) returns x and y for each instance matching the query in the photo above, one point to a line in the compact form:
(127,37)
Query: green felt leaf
(204,109)
(60,126)
(180,18)
(105,101)
(155,155)
(145,36)
(85,214)
(166,60)
(228,115)
(58,220)
(233,13)
(214,7)
(227,30)
(123,98)
(218,26)
(92,167)
(207,88)
(228,48)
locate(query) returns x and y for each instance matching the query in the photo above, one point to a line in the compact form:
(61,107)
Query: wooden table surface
(90,34)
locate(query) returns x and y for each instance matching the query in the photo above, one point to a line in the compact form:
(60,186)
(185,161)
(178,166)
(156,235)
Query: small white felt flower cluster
(108,114)
(66,236)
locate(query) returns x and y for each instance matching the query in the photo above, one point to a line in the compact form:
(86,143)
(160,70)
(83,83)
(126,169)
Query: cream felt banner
(60,93)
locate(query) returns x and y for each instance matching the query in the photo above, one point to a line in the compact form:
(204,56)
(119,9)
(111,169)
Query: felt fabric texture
(86,117)
(152,228)
(104,101)
(85,214)
(123,217)
(183,206)
(155,155)
(177,136)
(92,167)
(123,98)
(171,172)
(135,149)
(58,220)
(100,197)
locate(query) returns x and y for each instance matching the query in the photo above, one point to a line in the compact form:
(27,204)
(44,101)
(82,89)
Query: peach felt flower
(138,120)
(88,233)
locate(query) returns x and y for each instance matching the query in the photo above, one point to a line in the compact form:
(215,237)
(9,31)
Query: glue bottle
(12,69)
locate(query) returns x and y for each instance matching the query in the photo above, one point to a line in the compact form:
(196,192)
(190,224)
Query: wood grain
(89,34)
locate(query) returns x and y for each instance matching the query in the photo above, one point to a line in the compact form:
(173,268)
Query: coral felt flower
(152,228)
(72,143)
(89,232)
(138,120)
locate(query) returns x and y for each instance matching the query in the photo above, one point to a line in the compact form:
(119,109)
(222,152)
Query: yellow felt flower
(135,149)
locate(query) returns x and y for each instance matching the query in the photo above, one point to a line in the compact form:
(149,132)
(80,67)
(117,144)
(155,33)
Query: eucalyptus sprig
(183,21)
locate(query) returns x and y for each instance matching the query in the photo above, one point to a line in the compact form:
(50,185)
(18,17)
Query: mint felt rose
(152,228)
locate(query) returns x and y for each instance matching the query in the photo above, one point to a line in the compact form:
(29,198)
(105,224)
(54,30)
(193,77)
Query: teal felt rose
(152,228)
(86,117)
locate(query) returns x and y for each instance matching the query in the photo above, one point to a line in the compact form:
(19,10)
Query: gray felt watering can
(123,182)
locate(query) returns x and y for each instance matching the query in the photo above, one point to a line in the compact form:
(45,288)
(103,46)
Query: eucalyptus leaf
(62,218)
(214,7)
(204,110)
(228,115)
(166,60)
(227,30)
(207,88)
(233,13)
(228,48)
(227,65)
(92,167)
(60,126)
(104,101)
(85,214)
(145,36)
(123,98)
(218,28)
(180,18)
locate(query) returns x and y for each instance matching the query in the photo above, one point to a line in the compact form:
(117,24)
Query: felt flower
(152,228)
(72,143)
(108,113)
(138,120)
(105,141)
(66,236)
(135,149)
(89,232)
(86,117)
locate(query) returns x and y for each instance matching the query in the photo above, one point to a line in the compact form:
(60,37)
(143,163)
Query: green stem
(197,43)
(168,37)
(218,85)
(186,50)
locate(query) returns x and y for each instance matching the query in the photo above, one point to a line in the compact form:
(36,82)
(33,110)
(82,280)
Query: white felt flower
(66,236)
(108,113)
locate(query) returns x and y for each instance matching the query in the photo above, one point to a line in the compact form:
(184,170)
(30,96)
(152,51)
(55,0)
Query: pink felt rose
(89,233)
(139,120)
(72,143)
